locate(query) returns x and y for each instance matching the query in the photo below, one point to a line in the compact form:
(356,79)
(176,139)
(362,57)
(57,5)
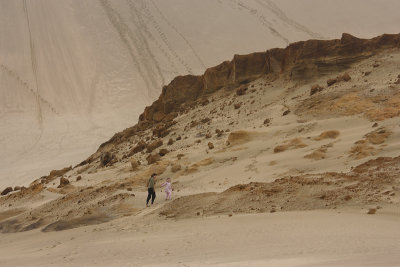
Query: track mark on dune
(179,33)
(142,40)
(128,38)
(164,38)
(25,85)
(261,18)
(34,67)
(281,15)
(141,24)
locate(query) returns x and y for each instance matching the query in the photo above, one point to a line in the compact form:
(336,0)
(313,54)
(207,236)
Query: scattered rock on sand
(210,145)
(163,152)
(63,182)
(78,178)
(237,105)
(267,121)
(241,90)
(316,89)
(153,158)
(371,211)
(154,145)
(6,191)
(286,112)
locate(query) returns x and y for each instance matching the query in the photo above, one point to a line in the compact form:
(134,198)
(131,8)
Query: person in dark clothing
(150,189)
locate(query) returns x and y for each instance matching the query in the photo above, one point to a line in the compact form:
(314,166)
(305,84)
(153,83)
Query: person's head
(154,175)
(168,180)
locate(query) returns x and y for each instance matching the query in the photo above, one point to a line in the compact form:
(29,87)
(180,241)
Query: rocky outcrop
(299,61)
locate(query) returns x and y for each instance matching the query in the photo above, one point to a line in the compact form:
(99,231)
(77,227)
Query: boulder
(170,142)
(163,152)
(138,148)
(331,81)
(154,145)
(241,90)
(63,182)
(316,89)
(153,158)
(6,191)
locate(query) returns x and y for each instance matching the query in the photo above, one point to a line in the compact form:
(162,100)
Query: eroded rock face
(299,61)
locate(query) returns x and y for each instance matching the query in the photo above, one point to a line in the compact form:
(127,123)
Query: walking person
(168,189)
(150,189)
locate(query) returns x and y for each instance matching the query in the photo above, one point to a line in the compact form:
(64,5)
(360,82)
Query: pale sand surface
(308,238)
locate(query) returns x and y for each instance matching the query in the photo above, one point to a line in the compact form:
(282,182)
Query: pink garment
(168,189)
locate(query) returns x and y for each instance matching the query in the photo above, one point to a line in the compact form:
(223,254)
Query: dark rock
(170,142)
(286,112)
(267,121)
(78,178)
(241,90)
(63,182)
(210,145)
(163,152)
(316,89)
(237,105)
(106,158)
(331,81)
(6,191)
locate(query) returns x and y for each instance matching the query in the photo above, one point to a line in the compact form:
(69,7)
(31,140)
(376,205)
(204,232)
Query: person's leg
(168,194)
(148,195)
(153,196)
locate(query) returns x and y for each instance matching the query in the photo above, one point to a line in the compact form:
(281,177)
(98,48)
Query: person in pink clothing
(168,188)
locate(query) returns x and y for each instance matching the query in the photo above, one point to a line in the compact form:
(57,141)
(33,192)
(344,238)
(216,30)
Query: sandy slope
(73,73)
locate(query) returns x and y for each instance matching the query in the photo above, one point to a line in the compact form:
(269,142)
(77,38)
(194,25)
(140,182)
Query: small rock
(375,125)
(230,215)
(17,188)
(286,113)
(367,73)
(267,121)
(178,138)
(210,145)
(79,178)
(208,135)
(170,142)
(371,211)
(237,105)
